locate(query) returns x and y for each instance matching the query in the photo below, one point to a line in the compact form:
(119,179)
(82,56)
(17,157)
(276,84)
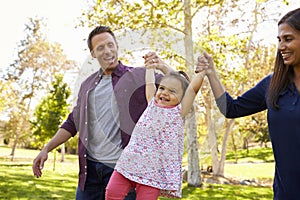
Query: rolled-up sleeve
(69,125)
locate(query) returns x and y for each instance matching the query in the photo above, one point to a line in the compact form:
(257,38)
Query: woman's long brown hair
(282,75)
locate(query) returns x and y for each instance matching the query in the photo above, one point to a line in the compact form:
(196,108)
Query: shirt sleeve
(69,125)
(252,101)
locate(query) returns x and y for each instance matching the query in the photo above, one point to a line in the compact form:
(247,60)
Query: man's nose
(106,49)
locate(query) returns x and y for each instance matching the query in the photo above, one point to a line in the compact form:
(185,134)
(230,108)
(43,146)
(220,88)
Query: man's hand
(38,163)
(152,61)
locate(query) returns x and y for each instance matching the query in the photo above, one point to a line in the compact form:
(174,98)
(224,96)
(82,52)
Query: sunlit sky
(60,16)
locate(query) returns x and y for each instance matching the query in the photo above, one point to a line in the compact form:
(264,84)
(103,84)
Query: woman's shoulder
(266,80)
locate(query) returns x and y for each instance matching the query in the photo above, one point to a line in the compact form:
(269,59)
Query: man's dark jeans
(98,175)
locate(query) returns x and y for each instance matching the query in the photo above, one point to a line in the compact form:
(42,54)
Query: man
(109,104)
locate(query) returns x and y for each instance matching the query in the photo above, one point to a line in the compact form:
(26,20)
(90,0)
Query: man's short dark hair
(96,31)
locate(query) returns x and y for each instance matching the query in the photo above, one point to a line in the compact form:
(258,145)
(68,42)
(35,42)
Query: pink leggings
(118,187)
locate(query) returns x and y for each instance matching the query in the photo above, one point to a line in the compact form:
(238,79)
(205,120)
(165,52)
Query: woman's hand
(205,63)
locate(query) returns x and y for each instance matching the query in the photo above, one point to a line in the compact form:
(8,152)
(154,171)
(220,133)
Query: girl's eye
(172,91)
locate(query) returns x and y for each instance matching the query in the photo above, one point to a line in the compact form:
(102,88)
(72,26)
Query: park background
(44,57)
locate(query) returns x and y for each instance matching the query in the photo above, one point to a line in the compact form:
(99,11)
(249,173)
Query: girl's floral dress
(154,154)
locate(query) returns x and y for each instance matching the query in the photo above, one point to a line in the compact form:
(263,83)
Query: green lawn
(17,181)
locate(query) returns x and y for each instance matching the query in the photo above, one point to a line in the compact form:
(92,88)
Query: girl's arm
(191,93)
(150,84)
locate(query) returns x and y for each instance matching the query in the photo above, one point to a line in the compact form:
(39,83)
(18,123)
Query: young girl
(151,162)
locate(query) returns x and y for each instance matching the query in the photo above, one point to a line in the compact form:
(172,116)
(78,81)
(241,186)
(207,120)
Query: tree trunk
(212,138)
(63,150)
(220,170)
(14,147)
(194,175)
(234,148)
(54,160)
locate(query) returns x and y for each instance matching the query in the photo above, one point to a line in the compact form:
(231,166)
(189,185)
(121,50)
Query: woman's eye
(288,39)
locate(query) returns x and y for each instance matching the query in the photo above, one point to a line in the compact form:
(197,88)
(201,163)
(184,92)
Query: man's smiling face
(105,49)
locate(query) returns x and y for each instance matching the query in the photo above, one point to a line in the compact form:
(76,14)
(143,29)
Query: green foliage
(51,111)
(28,77)
(140,14)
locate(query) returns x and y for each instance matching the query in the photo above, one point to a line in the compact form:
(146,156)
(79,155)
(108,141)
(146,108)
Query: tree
(3,88)
(36,63)
(240,59)
(165,15)
(50,112)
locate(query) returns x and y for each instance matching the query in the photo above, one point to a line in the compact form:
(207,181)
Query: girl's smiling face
(169,92)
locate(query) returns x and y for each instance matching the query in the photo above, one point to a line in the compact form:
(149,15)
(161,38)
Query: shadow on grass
(17,182)
(263,154)
(225,192)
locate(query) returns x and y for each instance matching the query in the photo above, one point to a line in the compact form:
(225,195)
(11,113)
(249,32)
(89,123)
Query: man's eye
(99,48)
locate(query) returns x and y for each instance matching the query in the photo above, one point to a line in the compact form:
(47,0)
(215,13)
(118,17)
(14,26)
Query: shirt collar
(291,88)
(118,71)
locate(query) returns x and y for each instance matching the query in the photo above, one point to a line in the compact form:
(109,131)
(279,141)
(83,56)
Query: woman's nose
(281,46)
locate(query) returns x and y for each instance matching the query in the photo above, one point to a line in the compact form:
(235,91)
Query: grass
(17,181)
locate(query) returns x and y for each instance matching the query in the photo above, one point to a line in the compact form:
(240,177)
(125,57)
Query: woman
(279,93)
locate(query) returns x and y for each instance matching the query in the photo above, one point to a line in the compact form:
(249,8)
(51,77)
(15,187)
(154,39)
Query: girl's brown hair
(181,76)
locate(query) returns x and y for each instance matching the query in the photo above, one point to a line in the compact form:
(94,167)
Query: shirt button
(84,155)
(96,83)
(85,166)
(85,123)
(85,107)
(85,139)
(85,173)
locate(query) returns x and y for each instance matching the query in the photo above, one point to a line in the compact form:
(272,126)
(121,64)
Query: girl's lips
(163,99)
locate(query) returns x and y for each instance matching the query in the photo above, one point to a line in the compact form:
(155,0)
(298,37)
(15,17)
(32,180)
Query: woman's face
(289,44)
